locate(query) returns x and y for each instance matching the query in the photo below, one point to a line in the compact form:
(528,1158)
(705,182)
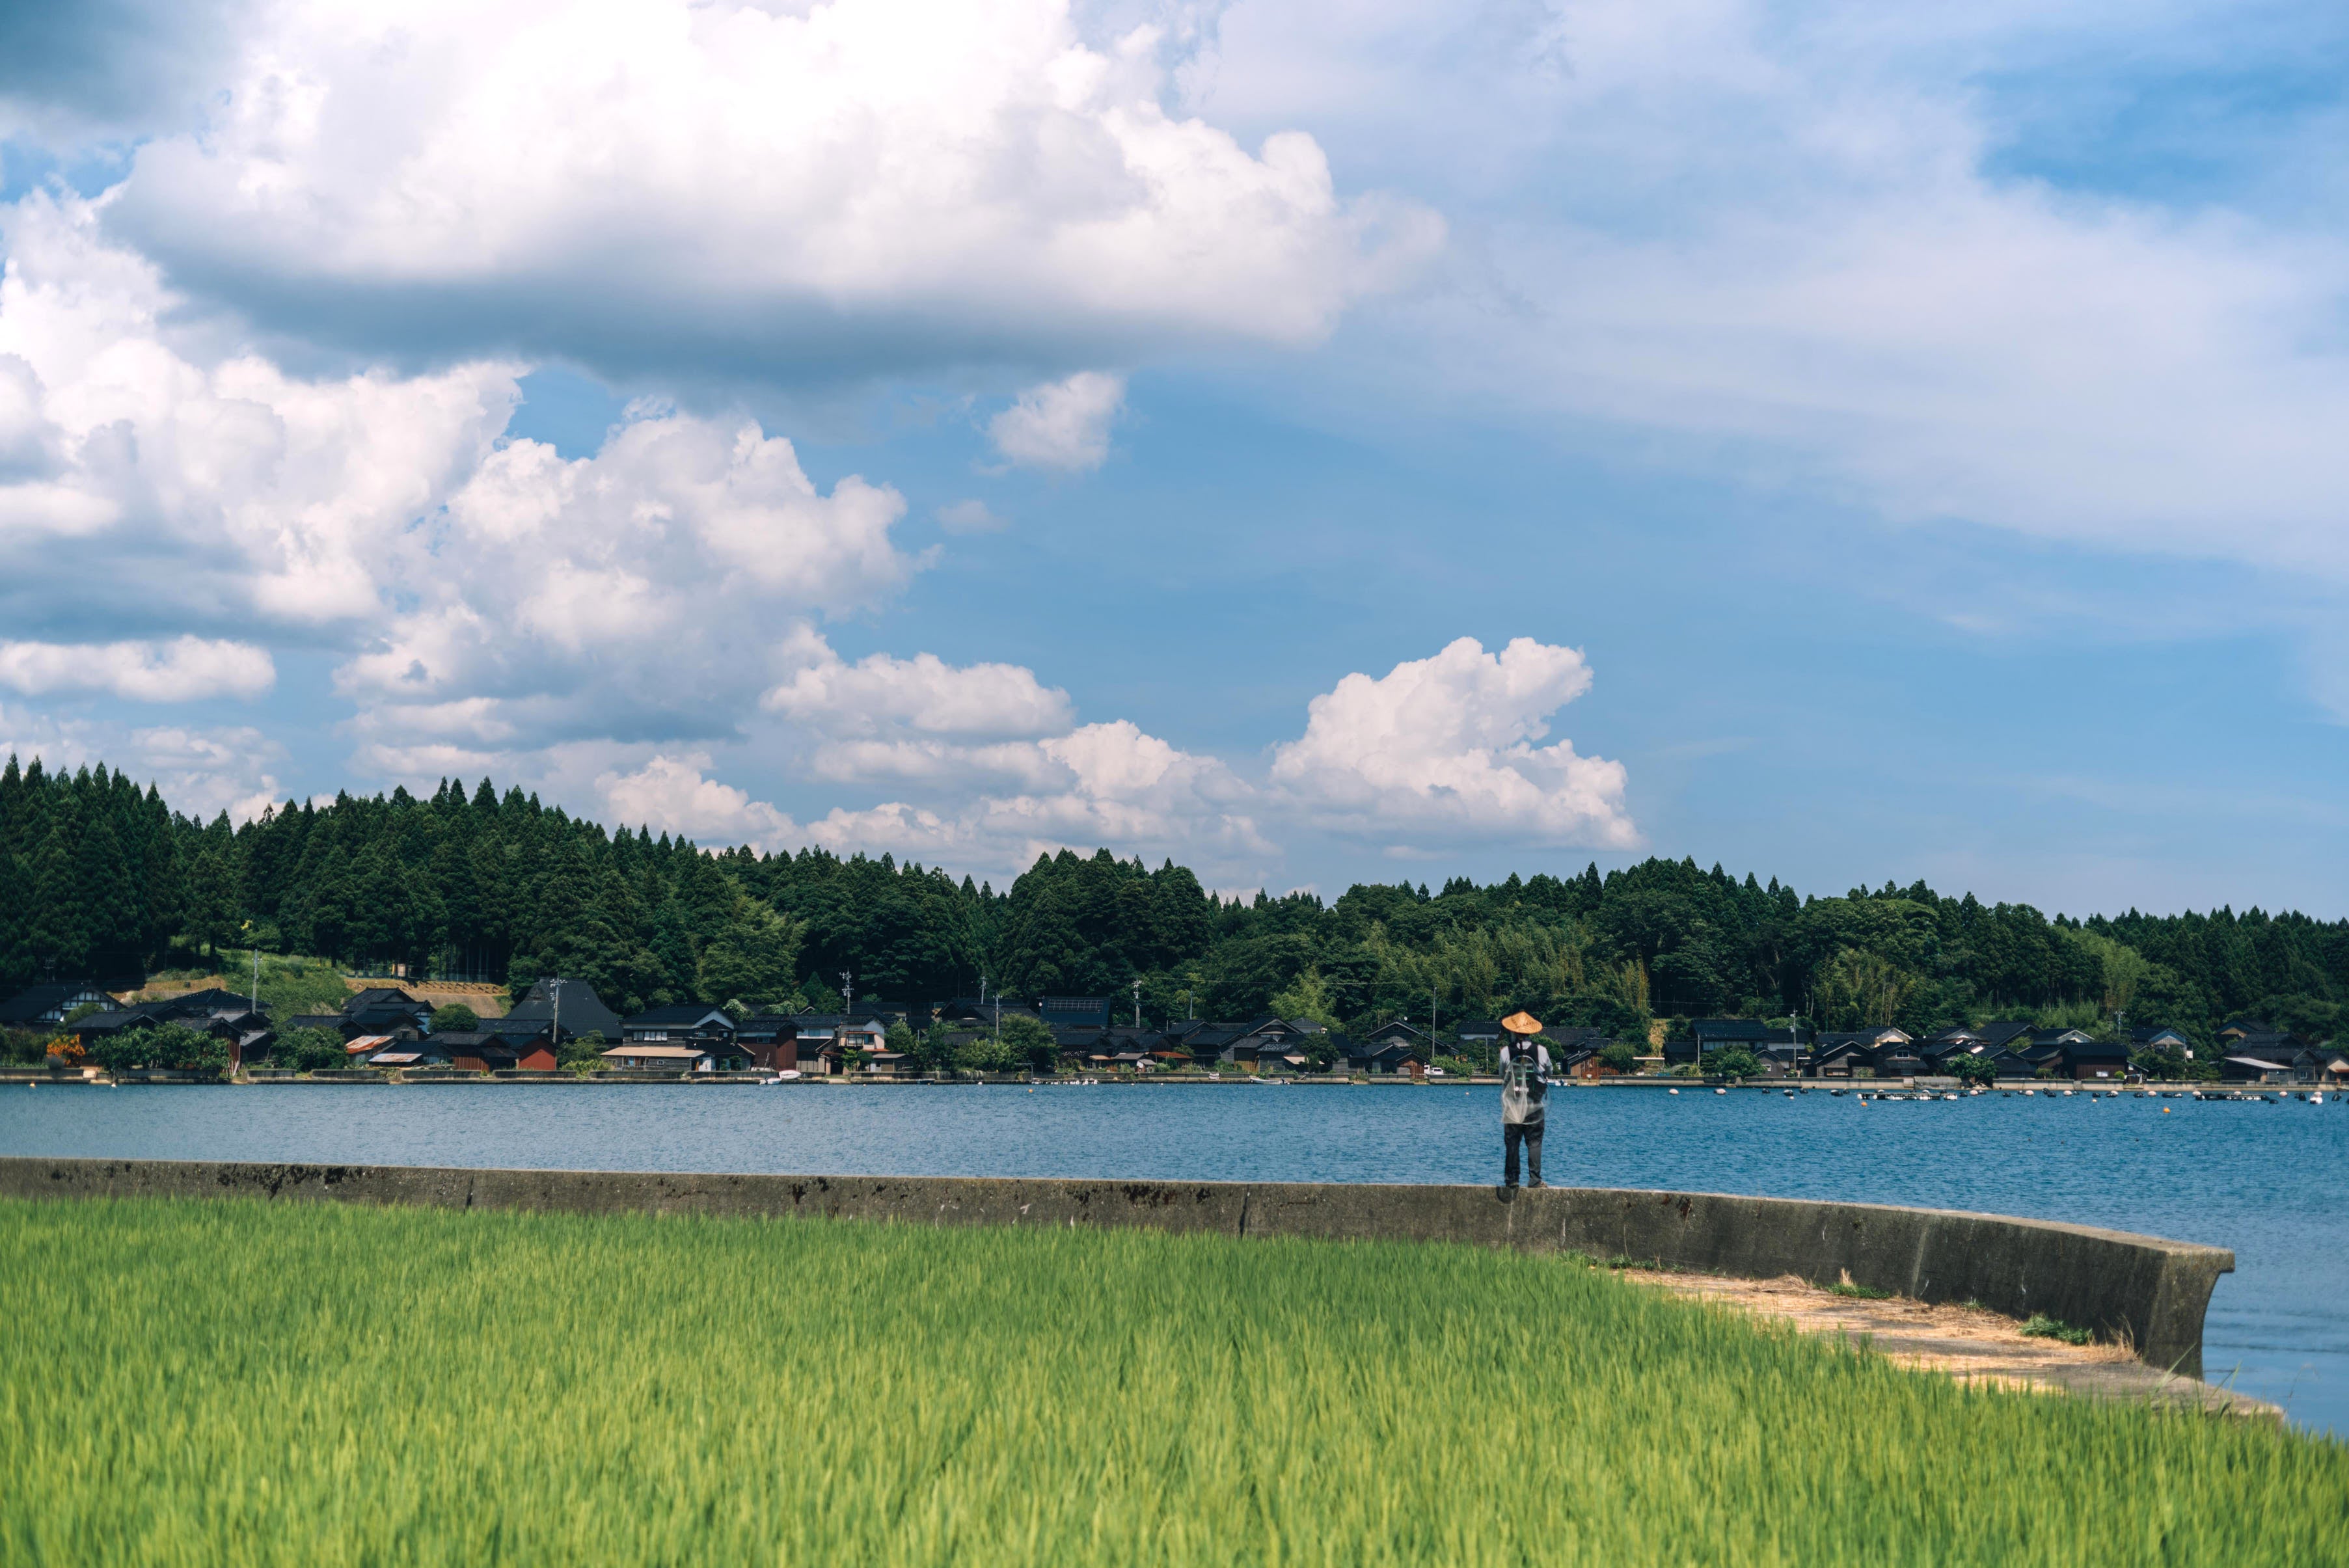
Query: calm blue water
(2262,1177)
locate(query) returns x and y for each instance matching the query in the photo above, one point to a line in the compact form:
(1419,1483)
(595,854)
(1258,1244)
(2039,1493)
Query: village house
(773,1040)
(1079,1012)
(1386,1059)
(502,1044)
(224,1015)
(827,1041)
(2089,1059)
(691,1036)
(46,1007)
(685,1024)
(388,1010)
(584,1012)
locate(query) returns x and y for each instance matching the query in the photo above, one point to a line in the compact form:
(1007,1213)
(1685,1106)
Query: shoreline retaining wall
(2142,1291)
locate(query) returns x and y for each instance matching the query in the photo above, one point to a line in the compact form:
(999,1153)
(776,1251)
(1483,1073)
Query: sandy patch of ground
(488,1001)
(1966,1342)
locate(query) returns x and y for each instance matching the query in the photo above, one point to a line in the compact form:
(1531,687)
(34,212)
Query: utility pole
(554,1033)
(1137,1004)
(848,994)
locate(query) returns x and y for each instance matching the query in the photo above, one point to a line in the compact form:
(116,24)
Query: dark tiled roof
(2001,1031)
(30,1003)
(379,996)
(682,1012)
(113,1020)
(584,1012)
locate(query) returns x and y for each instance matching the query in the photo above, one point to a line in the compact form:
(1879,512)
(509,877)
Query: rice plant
(231,1382)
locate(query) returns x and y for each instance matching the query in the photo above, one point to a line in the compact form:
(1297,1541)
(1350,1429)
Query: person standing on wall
(1525,1091)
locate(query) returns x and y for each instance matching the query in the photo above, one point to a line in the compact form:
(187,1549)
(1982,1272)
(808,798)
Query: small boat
(1949,1097)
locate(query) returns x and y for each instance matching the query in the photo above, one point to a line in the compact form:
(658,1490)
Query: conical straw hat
(1522,1024)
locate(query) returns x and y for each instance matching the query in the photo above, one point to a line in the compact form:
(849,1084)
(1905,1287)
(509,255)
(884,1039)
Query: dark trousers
(1512,1134)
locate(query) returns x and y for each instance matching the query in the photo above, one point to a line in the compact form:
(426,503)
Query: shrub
(1026,1043)
(173,1045)
(1967,1067)
(1733,1061)
(455,1016)
(1620,1055)
(307,1051)
(2043,1327)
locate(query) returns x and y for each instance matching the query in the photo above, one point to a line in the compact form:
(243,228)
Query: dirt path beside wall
(1968,1343)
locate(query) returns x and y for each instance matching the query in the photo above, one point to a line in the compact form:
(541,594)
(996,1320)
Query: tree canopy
(100,878)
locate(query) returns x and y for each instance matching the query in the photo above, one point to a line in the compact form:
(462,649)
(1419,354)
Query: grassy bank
(317,1385)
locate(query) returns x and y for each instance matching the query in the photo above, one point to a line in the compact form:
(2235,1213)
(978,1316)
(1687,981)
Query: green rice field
(236,1383)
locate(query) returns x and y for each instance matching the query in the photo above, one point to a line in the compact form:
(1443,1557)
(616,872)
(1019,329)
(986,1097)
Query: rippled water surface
(2262,1177)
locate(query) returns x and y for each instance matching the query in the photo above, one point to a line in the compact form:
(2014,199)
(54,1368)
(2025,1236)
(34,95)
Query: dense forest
(101,878)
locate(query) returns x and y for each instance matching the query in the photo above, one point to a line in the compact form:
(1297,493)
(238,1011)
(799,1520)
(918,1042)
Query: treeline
(100,878)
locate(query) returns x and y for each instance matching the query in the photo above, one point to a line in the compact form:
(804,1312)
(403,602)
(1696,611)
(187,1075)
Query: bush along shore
(225,1381)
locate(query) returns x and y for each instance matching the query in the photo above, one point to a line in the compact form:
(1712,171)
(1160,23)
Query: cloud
(669,793)
(1061,425)
(1437,754)
(969,517)
(1441,750)
(1825,249)
(1101,785)
(208,490)
(475,597)
(105,68)
(728,189)
(648,591)
(882,694)
(181,670)
(199,772)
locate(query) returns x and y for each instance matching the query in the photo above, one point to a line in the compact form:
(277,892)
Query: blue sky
(1853,442)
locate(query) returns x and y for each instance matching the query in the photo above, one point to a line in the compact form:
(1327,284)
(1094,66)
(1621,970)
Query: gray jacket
(1525,1084)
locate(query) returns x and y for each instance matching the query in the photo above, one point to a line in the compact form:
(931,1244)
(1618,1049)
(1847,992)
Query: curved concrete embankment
(2148,1293)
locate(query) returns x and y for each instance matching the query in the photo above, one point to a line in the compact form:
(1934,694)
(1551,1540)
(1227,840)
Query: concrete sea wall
(2143,1291)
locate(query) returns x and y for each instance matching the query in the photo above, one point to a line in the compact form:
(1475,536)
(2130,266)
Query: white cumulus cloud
(924,694)
(723,187)
(1061,425)
(183,669)
(670,794)
(1443,748)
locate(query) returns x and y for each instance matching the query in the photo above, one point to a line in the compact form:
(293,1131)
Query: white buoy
(1671,1092)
